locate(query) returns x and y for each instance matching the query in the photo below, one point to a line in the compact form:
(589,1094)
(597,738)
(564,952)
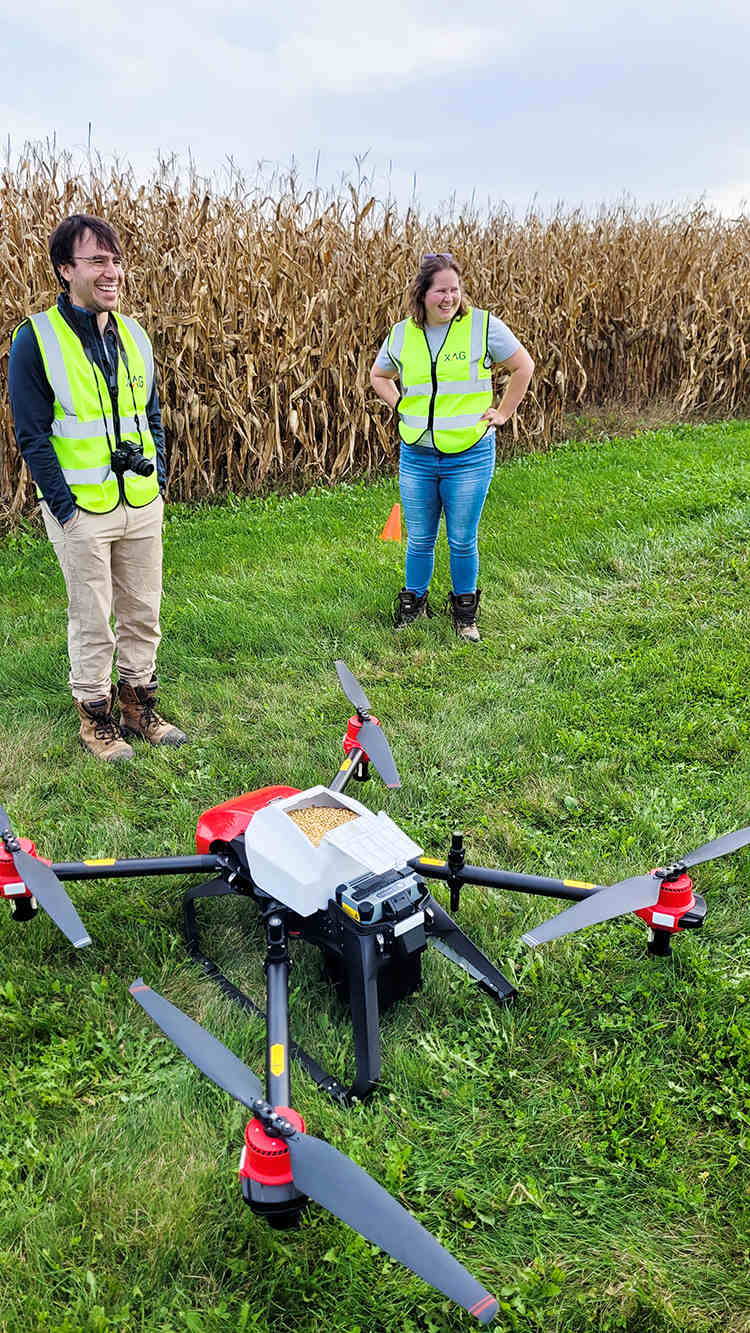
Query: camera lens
(130,459)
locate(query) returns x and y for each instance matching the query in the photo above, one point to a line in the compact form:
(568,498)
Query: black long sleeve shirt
(32,402)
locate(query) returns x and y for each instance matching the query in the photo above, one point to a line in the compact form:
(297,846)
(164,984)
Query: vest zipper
(433,370)
(433,364)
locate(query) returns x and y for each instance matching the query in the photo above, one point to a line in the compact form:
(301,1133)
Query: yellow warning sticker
(277,1058)
(430,861)
(578,884)
(351,911)
(104,861)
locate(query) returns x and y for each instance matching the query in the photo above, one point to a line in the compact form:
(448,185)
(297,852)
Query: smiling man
(87,421)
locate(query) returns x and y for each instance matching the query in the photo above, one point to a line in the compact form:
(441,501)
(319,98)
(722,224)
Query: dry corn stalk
(266,309)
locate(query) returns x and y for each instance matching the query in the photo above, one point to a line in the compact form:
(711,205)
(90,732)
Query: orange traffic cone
(392,530)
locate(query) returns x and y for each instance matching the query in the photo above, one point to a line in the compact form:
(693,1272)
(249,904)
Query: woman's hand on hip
(495,416)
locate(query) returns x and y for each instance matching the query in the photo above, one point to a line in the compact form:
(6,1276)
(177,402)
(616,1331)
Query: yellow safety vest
(83,431)
(449,395)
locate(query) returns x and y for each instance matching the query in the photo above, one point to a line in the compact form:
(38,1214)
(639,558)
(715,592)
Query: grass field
(583,1152)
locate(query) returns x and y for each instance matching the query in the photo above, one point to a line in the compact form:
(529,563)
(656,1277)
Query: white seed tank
(285,862)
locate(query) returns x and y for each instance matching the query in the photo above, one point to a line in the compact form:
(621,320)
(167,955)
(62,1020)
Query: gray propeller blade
(42,882)
(371,736)
(207,1053)
(352,688)
(322,1172)
(729,842)
(336,1182)
(629,895)
(375,745)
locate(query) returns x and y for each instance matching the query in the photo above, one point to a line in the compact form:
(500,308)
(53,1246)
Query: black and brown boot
(408,607)
(464,607)
(100,734)
(138,715)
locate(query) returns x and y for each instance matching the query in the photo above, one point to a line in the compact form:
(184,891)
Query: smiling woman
(444,354)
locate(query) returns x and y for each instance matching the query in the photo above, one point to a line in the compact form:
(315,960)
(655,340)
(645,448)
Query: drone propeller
(371,736)
(323,1173)
(711,851)
(352,688)
(629,895)
(42,882)
(206,1052)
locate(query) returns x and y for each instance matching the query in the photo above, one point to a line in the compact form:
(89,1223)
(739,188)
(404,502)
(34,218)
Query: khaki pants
(111,563)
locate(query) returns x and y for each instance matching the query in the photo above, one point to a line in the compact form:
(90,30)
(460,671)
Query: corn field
(267,304)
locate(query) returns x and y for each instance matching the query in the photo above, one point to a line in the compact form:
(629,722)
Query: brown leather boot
(138,716)
(100,734)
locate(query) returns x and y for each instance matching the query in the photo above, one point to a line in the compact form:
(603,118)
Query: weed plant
(584,1151)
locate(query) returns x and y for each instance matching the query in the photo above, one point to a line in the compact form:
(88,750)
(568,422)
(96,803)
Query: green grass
(584,1151)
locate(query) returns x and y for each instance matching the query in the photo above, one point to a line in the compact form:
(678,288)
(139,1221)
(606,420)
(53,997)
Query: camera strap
(115,414)
(124,356)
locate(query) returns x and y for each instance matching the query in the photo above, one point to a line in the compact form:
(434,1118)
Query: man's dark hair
(69,231)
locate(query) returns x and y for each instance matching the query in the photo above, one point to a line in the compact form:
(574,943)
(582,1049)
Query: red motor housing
(10,885)
(265,1159)
(351,739)
(675,899)
(226,821)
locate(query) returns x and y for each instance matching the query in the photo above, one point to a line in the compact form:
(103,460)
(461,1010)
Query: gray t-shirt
(501,344)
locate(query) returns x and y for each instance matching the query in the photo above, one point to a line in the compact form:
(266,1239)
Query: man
(87,421)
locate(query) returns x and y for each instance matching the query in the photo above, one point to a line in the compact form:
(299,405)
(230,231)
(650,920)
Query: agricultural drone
(320,866)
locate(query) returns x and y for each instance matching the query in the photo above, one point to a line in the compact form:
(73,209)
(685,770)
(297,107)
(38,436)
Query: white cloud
(564,98)
(333,49)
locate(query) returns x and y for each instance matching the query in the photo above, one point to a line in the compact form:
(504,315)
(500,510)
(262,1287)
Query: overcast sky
(580,102)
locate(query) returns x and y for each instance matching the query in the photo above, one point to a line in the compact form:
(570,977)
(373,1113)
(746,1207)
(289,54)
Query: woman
(443,354)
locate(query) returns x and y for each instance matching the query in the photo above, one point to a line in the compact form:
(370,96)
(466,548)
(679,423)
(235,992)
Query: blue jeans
(454,484)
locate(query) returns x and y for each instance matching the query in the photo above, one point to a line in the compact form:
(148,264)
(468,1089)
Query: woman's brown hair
(421,282)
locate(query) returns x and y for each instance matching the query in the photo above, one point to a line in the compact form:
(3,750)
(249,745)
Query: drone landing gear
(370,966)
(443,932)
(218,888)
(370,973)
(370,978)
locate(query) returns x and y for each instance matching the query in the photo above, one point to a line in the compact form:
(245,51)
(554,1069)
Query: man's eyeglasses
(100,261)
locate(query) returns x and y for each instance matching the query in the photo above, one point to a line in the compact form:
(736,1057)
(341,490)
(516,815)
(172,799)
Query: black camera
(129,459)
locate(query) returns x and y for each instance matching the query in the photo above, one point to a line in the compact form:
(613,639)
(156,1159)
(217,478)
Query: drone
(321,867)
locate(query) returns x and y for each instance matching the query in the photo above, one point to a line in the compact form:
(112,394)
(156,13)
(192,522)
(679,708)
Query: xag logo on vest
(137,382)
(454,356)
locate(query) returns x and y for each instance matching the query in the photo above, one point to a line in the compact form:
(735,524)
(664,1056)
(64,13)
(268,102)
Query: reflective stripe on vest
(83,425)
(452,403)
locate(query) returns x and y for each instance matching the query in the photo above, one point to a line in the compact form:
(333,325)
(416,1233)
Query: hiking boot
(138,716)
(408,607)
(100,734)
(464,607)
